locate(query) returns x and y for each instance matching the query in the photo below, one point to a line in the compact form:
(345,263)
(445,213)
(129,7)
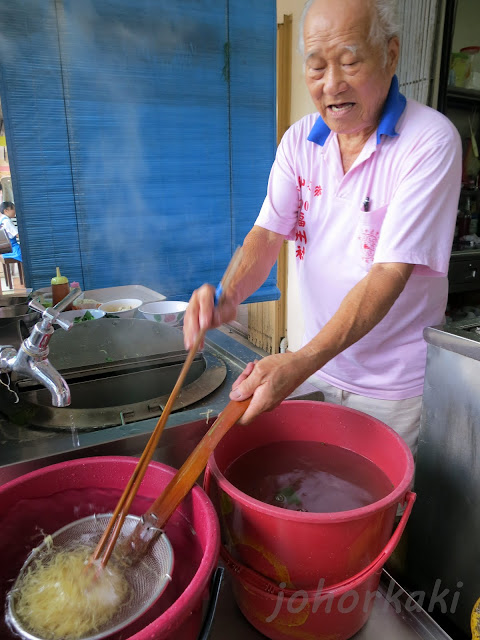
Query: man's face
(348,77)
(10,212)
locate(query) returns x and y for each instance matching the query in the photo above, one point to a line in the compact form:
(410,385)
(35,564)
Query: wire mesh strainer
(147,582)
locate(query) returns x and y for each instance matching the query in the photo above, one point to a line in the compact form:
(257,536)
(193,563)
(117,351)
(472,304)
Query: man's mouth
(337,108)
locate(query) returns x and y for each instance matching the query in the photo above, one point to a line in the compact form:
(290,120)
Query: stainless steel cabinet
(443,550)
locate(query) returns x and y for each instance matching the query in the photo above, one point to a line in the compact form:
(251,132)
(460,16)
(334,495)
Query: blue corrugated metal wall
(140,133)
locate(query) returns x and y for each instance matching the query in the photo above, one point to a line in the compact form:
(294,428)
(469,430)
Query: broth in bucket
(309,476)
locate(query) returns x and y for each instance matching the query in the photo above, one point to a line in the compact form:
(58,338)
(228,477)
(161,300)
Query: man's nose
(334,80)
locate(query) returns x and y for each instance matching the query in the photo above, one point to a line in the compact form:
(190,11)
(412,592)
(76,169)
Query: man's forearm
(259,252)
(360,311)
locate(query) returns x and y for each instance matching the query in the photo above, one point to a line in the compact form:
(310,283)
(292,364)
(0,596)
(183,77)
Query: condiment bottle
(60,289)
(474,226)
(464,220)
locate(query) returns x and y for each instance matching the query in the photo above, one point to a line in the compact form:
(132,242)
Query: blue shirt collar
(392,110)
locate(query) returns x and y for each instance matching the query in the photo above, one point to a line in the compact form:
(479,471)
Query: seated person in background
(7,212)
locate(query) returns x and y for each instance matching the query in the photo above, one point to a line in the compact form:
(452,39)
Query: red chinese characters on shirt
(301,182)
(300,252)
(368,243)
(301,236)
(303,207)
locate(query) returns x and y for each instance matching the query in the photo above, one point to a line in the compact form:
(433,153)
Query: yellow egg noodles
(61,597)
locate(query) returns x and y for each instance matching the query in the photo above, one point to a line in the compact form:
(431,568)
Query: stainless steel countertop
(393,617)
(26,448)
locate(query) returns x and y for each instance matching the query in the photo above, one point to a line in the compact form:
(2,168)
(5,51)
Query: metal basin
(8,301)
(16,322)
(15,310)
(118,371)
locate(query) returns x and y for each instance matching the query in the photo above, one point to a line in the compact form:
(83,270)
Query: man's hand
(259,253)
(269,381)
(202,314)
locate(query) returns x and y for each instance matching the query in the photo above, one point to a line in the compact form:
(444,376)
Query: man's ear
(393,53)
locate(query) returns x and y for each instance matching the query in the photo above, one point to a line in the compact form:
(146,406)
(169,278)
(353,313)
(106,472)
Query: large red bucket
(37,504)
(316,558)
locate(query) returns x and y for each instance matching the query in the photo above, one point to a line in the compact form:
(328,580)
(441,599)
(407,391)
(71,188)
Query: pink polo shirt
(412,178)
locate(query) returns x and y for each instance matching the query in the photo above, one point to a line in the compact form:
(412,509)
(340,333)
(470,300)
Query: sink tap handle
(34,304)
(50,314)
(65,324)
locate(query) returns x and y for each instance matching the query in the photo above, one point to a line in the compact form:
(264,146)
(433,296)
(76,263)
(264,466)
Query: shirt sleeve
(279,211)
(420,221)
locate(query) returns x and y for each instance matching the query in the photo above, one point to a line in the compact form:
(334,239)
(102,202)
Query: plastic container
(460,68)
(193,531)
(301,551)
(60,289)
(472,78)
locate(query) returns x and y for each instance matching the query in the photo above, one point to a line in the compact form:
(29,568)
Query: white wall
(301,104)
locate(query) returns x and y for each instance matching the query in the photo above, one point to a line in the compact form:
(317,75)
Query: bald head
(381,16)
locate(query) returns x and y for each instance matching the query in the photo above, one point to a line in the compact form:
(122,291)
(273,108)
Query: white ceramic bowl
(85,303)
(165,311)
(123,308)
(79,313)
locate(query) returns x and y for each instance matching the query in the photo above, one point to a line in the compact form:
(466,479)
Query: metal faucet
(31,360)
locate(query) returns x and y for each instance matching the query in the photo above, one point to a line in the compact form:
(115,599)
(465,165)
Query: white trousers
(403,416)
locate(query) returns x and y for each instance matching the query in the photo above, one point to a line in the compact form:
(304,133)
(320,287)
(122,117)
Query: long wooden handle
(186,476)
(112,531)
(110,535)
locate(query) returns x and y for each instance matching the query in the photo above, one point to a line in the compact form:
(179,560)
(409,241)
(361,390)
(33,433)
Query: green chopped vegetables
(86,316)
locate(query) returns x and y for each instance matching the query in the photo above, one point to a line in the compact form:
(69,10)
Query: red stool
(8,273)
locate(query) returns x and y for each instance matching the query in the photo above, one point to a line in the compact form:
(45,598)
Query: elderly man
(368,191)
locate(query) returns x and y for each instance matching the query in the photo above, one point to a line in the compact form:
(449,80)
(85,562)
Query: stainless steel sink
(118,371)
(25,447)
(121,392)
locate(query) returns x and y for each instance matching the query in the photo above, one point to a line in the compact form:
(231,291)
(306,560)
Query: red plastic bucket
(193,531)
(267,546)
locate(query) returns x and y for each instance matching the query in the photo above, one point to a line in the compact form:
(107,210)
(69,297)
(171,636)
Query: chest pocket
(366,236)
